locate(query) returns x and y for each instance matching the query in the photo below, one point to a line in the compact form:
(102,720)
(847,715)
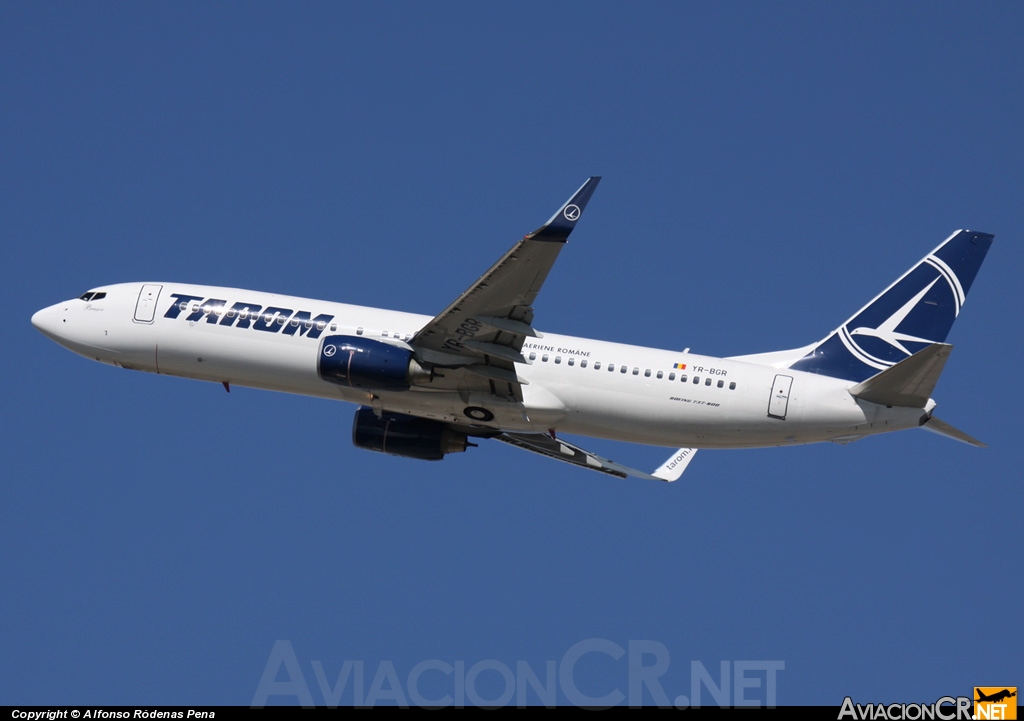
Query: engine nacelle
(357,362)
(403,435)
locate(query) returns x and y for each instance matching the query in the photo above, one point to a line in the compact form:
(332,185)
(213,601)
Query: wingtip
(673,468)
(563,222)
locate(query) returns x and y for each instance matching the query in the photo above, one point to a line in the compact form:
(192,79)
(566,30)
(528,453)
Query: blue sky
(767,169)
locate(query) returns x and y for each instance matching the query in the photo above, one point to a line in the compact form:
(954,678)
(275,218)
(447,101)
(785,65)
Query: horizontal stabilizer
(909,383)
(934,425)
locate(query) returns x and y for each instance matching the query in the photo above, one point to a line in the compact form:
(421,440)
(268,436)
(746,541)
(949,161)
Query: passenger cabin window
(707,382)
(320,325)
(572,361)
(671,376)
(647,373)
(359,331)
(597,365)
(583,363)
(611,367)
(544,358)
(660,375)
(732,386)
(558,359)
(533,356)
(721,384)
(636,371)
(696,380)
(383,334)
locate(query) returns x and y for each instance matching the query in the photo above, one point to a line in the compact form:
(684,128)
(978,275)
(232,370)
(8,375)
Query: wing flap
(509,325)
(566,452)
(496,350)
(495,373)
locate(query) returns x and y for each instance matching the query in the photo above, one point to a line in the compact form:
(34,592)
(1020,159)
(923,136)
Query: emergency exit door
(778,404)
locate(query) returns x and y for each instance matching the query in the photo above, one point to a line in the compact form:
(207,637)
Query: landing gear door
(778,404)
(145,309)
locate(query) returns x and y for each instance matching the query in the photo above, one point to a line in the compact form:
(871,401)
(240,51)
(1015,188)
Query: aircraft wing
(480,335)
(562,450)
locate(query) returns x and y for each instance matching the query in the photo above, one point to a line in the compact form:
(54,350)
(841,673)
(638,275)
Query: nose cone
(70,327)
(46,321)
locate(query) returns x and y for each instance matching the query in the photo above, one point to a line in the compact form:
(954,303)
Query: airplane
(480,368)
(996,697)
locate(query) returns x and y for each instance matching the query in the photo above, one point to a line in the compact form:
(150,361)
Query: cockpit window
(92,295)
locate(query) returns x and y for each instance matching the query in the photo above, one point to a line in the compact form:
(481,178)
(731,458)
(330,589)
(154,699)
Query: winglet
(671,469)
(561,224)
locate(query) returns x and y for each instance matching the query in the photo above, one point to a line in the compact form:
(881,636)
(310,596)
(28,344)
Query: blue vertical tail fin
(911,314)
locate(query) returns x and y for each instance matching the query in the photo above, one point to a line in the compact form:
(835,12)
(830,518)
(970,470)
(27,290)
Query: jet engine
(409,436)
(368,364)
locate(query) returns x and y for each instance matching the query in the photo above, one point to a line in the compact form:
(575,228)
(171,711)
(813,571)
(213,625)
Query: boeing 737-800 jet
(480,369)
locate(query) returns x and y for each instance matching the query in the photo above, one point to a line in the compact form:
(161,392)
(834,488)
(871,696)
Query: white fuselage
(573,385)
